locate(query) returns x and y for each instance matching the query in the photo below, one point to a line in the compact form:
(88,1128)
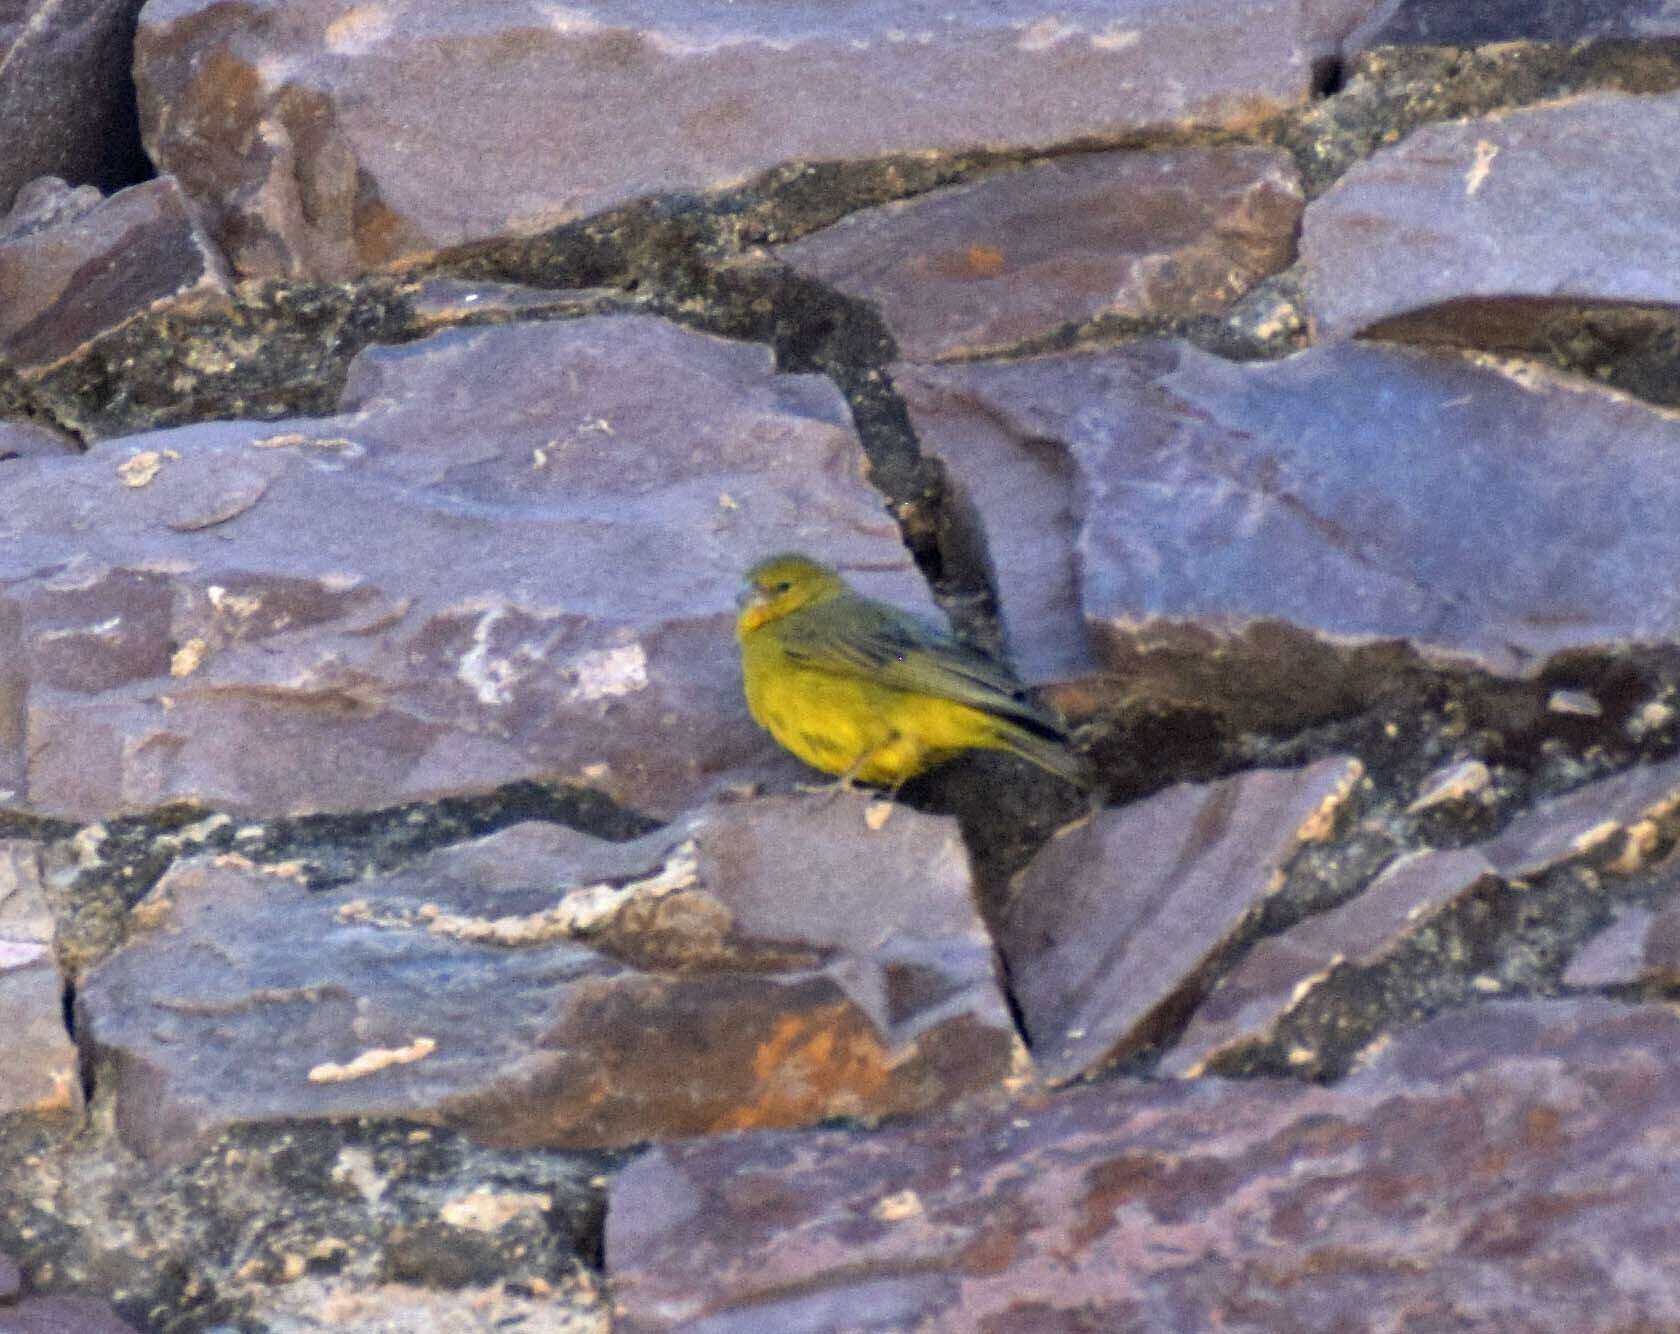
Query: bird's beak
(750,597)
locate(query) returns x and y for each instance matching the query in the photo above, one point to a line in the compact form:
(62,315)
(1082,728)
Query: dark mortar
(282,351)
(133,852)
(1392,90)
(207,1237)
(1631,347)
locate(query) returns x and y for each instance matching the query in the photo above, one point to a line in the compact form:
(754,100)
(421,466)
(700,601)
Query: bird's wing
(857,636)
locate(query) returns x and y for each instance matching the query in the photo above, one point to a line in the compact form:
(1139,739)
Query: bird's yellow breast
(844,724)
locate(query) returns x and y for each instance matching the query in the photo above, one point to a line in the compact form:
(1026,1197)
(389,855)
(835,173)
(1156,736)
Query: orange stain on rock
(812,1066)
(978,261)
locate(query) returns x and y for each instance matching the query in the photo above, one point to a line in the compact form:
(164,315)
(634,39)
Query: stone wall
(404,925)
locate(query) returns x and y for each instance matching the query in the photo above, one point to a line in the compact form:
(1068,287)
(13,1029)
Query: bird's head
(784,584)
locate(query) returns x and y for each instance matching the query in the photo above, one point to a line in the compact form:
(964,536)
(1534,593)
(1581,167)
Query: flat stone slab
(1614,822)
(139,251)
(1448,23)
(1281,971)
(1117,923)
(1262,538)
(64,94)
(1615,957)
(20,440)
(47,201)
(1507,1167)
(39,1060)
(1640,947)
(332,143)
(978,267)
(62,1315)
(762,964)
(1614,815)
(514,554)
(1442,236)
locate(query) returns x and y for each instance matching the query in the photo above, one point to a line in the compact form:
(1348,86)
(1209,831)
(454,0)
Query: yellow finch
(859,688)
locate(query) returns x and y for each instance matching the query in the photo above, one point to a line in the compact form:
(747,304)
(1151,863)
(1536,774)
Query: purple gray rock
(331,143)
(1661,962)
(62,1315)
(1640,947)
(1450,23)
(1509,1167)
(762,964)
(1615,823)
(1615,957)
(47,201)
(1262,538)
(514,554)
(39,1060)
(977,267)
(65,92)
(1281,971)
(22,440)
(139,251)
(1327,24)
(1116,925)
(1616,815)
(1475,231)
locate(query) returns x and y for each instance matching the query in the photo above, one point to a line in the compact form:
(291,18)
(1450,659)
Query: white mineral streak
(372,1062)
(606,673)
(580,912)
(488,678)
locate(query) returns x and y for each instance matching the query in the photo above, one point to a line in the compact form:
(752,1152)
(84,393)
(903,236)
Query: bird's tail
(1049,751)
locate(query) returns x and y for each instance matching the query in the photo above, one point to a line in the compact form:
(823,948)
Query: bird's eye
(782,587)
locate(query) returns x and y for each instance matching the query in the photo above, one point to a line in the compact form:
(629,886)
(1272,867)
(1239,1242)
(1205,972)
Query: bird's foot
(844,783)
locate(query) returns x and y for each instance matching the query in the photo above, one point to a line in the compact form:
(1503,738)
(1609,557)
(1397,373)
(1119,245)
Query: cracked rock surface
(790,978)
(1157,513)
(596,105)
(428,592)
(405,927)
(1525,1189)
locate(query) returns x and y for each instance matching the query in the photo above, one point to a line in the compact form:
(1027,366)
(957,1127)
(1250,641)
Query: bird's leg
(846,782)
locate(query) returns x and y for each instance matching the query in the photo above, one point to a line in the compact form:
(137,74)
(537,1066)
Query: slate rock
(1614,822)
(1447,23)
(307,1226)
(22,440)
(1113,929)
(1509,1167)
(514,554)
(1273,540)
(1328,23)
(39,1058)
(762,964)
(47,201)
(1282,971)
(980,266)
(66,98)
(1659,957)
(139,251)
(331,143)
(1477,231)
(62,1315)
(1616,817)
(1454,784)
(1615,956)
